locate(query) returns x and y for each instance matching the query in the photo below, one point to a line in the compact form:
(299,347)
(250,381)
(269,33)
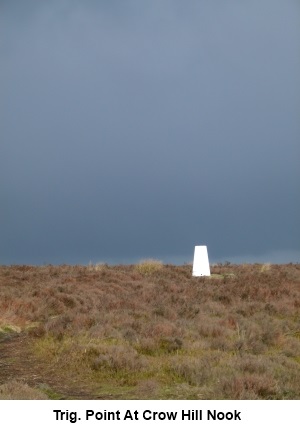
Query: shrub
(98,267)
(118,358)
(194,371)
(250,387)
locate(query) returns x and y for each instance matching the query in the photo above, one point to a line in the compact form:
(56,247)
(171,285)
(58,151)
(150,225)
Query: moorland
(150,331)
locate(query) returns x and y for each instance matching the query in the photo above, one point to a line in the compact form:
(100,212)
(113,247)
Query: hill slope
(150,331)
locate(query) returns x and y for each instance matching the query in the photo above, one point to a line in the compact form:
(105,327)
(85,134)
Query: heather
(150,331)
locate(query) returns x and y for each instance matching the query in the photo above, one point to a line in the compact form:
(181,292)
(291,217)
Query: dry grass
(153,331)
(148,267)
(15,390)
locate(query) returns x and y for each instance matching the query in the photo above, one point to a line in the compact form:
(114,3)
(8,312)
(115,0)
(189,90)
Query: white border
(38,414)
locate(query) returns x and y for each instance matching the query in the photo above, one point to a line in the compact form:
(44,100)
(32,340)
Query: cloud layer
(135,129)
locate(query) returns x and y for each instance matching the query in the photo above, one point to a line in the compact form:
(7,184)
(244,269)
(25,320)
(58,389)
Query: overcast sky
(137,129)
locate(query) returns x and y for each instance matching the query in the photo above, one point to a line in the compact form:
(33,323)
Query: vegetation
(150,331)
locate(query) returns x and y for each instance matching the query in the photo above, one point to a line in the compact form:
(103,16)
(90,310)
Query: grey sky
(141,129)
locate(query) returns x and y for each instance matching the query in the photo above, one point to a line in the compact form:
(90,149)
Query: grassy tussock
(148,267)
(15,390)
(154,331)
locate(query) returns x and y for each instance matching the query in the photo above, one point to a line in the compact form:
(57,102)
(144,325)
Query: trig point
(201,263)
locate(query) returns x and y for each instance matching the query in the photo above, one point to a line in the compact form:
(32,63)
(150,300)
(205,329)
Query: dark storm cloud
(135,129)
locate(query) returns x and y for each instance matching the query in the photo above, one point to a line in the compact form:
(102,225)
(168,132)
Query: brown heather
(149,331)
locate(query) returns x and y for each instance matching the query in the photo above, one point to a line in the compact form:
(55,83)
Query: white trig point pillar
(201,263)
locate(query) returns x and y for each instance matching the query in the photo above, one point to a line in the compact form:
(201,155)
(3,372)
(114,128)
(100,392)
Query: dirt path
(18,363)
(15,360)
